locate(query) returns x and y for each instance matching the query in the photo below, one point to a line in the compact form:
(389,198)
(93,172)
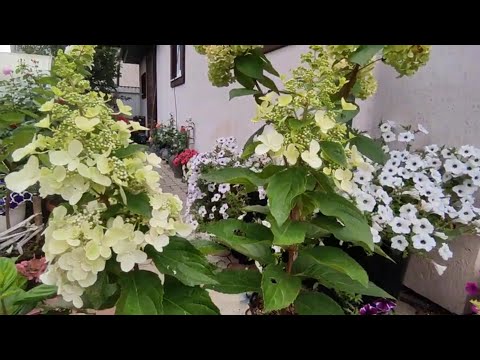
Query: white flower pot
(16,215)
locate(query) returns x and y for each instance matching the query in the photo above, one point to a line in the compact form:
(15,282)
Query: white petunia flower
(432,149)
(384,214)
(363,178)
(375,235)
(387,180)
(454,166)
(261,193)
(466,214)
(445,252)
(385,127)
(388,136)
(365,202)
(223,188)
(432,162)
(390,169)
(216,197)
(404,173)
(406,136)
(422,226)
(466,151)
(223,209)
(447,153)
(400,225)
(408,211)
(211,187)
(440,235)
(423,242)
(211,216)
(266,224)
(462,190)
(414,163)
(399,242)
(422,129)
(475,176)
(440,269)
(435,174)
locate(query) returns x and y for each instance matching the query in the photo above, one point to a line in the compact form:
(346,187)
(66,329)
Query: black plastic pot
(381,271)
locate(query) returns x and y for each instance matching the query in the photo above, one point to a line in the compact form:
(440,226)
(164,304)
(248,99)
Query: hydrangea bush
(116,216)
(419,200)
(314,152)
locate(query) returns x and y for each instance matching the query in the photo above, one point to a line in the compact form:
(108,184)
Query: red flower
(182,129)
(184,157)
(32,269)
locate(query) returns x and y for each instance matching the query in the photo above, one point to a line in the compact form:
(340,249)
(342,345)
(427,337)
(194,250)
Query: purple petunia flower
(471,288)
(385,306)
(368,310)
(475,309)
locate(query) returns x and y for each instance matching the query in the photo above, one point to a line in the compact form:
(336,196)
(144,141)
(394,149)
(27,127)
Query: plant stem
(7,209)
(292,254)
(4,307)
(37,209)
(352,79)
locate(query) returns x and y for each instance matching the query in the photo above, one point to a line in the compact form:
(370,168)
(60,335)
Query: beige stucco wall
(129,75)
(445,97)
(12,59)
(208,106)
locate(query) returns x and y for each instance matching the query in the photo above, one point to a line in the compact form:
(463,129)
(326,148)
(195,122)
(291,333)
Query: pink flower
(7,70)
(471,288)
(32,269)
(474,309)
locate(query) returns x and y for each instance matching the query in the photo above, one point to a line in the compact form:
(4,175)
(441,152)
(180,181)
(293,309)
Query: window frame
(174,61)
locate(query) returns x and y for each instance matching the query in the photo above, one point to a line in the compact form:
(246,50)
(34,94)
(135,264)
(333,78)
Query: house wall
(208,106)
(12,59)
(143,102)
(444,96)
(129,75)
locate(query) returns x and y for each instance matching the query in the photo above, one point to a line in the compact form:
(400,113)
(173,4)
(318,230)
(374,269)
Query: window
(144,85)
(269,48)
(177,65)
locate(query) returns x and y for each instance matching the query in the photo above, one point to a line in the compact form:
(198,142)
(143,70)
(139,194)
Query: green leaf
(111,211)
(331,204)
(341,282)
(182,260)
(8,273)
(237,281)
(129,150)
(184,300)
(268,67)
(234,176)
(141,294)
(334,151)
(319,262)
(250,239)
(99,295)
(38,293)
(242,92)
(19,138)
(3,168)
(207,247)
(249,150)
(315,303)
(139,204)
(282,189)
(347,115)
(256,208)
(269,171)
(250,141)
(49,80)
(291,232)
(244,80)
(296,124)
(29,113)
(44,159)
(12,117)
(325,184)
(279,288)
(330,225)
(250,65)
(267,82)
(365,53)
(370,148)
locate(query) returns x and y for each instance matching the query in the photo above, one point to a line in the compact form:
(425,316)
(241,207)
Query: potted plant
(417,202)
(180,162)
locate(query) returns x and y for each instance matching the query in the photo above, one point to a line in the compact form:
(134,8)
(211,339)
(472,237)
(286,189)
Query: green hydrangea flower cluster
(406,59)
(221,61)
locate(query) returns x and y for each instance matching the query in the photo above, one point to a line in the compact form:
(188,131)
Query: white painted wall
(143,102)
(12,60)
(208,106)
(129,75)
(445,97)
